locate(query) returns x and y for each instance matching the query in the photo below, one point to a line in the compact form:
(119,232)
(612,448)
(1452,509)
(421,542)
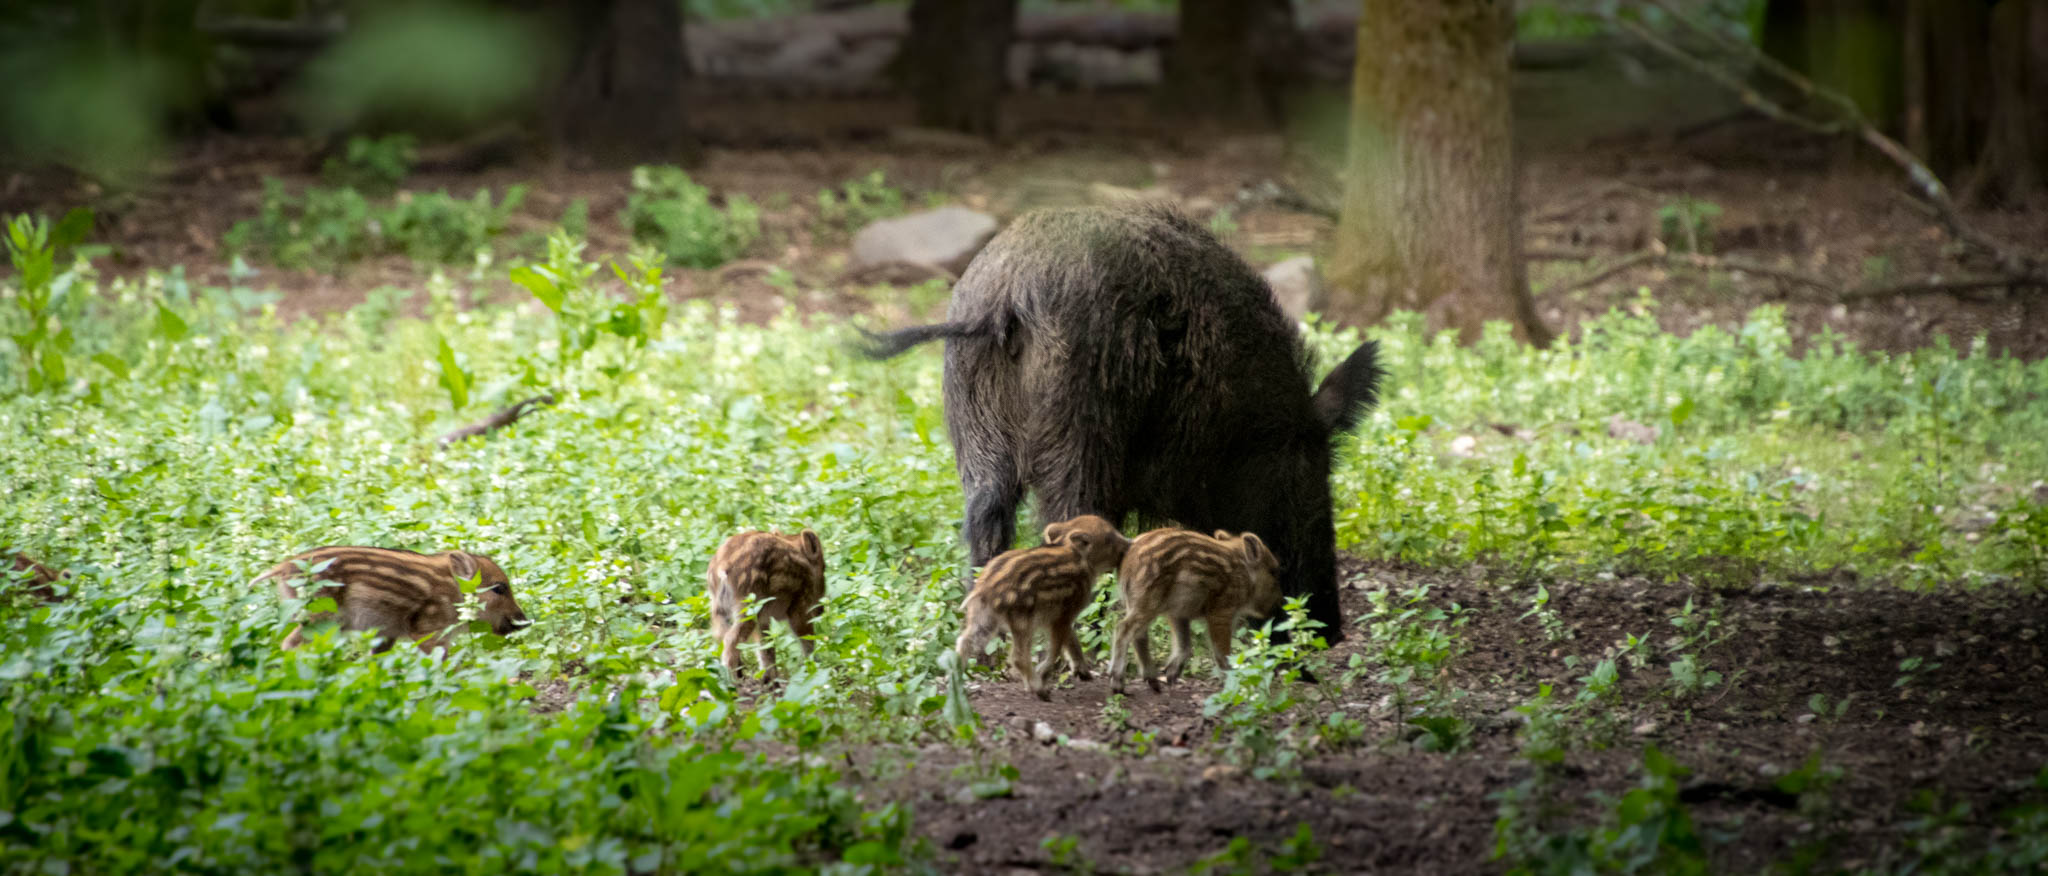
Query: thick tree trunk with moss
(955,62)
(1430,221)
(621,100)
(1231,61)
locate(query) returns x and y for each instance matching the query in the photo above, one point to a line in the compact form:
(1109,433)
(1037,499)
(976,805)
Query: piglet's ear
(462,565)
(1255,551)
(1221,535)
(812,545)
(1055,533)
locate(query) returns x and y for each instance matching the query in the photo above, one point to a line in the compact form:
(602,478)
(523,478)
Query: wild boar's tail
(888,344)
(1350,390)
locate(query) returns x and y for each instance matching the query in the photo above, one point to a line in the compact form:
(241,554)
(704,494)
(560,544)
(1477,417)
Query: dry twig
(498,420)
(1637,258)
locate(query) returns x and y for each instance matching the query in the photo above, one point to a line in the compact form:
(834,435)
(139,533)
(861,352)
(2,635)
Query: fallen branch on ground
(498,420)
(1851,121)
(1627,262)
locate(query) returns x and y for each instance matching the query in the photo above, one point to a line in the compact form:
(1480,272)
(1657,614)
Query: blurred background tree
(1962,82)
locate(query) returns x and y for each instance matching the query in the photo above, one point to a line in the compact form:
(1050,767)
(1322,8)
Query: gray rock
(1298,286)
(947,237)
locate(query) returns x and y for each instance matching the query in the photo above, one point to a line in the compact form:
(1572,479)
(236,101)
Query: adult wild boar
(1117,360)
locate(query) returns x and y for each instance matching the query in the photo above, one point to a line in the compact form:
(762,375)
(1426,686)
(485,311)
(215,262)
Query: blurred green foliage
(671,211)
(372,164)
(326,228)
(425,66)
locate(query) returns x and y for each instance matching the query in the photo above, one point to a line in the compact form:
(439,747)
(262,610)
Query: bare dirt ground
(1972,730)
(1969,724)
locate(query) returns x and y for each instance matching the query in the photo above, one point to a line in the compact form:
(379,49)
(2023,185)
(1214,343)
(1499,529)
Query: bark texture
(956,62)
(621,100)
(1430,220)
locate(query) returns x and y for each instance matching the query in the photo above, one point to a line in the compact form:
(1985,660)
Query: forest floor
(1153,790)
(1799,221)
(1943,691)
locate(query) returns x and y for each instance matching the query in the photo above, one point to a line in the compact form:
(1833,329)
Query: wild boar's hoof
(1156,686)
(1083,675)
(1044,693)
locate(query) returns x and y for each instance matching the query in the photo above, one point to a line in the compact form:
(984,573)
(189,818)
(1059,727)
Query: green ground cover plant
(606,737)
(672,212)
(328,228)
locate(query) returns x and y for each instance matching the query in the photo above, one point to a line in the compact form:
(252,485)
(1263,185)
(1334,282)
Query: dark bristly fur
(785,573)
(1188,576)
(403,594)
(1045,587)
(1114,360)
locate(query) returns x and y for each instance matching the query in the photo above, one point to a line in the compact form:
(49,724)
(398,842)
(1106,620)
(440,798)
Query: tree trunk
(2014,157)
(1430,220)
(956,61)
(1227,60)
(621,100)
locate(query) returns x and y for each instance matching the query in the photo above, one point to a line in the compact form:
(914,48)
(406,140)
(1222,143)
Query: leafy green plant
(1687,224)
(1259,691)
(859,201)
(1415,642)
(326,229)
(372,164)
(675,214)
(323,229)
(436,227)
(40,338)
(1646,830)
(1064,852)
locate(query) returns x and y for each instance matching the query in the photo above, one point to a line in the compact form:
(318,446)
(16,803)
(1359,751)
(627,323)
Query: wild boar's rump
(1117,360)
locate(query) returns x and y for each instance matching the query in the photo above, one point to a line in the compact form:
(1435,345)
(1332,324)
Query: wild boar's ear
(812,545)
(1350,390)
(462,565)
(1055,533)
(1220,535)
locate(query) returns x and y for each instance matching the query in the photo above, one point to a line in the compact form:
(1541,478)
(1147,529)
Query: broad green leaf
(114,364)
(541,285)
(170,326)
(453,378)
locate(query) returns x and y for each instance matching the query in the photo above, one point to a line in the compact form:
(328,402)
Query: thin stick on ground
(499,420)
(1851,121)
(1637,258)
